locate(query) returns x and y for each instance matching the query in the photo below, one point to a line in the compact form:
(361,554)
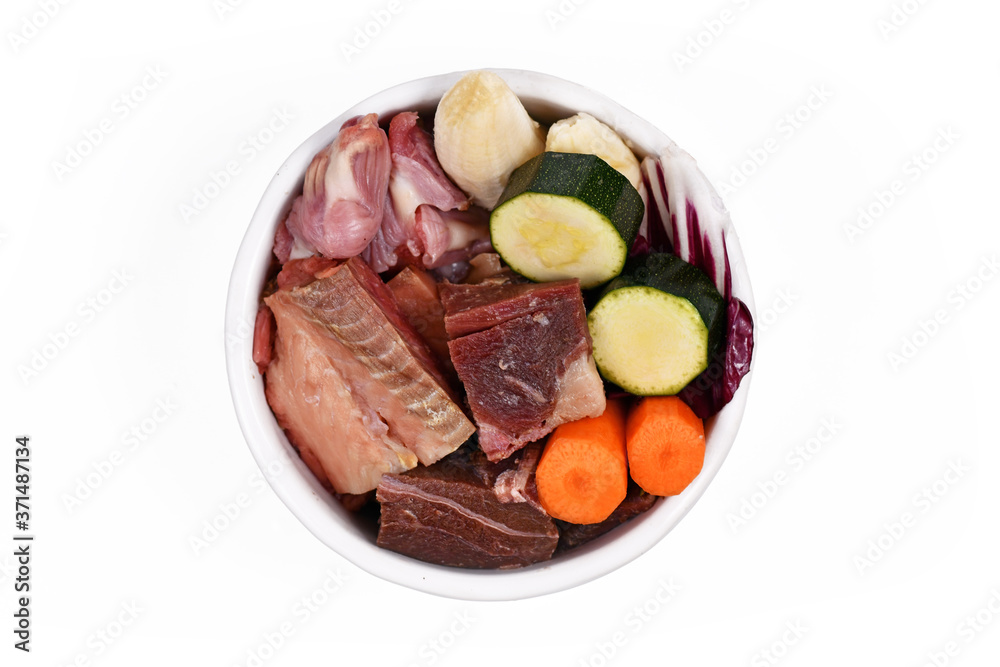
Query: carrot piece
(666,445)
(583,473)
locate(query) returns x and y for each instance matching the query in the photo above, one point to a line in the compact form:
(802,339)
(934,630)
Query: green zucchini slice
(566,215)
(656,326)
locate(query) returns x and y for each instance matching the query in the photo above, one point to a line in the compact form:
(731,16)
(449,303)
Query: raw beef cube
(530,372)
(472,308)
(452,514)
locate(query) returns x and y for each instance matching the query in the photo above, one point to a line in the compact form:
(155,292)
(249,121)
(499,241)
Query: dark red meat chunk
(452,513)
(472,308)
(523,353)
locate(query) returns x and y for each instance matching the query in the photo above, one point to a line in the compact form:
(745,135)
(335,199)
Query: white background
(832,308)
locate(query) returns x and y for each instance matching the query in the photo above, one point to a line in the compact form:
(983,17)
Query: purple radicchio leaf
(715,387)
(686,216)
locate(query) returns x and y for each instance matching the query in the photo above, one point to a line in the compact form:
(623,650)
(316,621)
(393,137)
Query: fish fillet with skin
(354,386)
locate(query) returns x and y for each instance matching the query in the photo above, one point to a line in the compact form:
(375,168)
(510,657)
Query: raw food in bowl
(442,292)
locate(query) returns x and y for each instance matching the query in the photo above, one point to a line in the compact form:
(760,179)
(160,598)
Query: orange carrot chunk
(666,445)
(583,473)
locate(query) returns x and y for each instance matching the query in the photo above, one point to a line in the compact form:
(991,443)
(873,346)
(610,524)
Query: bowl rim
(303,495)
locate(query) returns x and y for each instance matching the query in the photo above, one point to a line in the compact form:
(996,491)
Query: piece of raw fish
(354,385)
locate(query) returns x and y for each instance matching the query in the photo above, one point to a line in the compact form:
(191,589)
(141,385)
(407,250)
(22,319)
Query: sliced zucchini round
(656,327)
(566,215)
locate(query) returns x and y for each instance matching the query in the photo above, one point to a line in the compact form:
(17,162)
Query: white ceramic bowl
(548,99)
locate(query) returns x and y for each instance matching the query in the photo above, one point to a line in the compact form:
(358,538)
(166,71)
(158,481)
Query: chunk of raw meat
(637,501)
(417,177)
(472,308)
(416,294)
(353,385)
(452,514)
(264,331)
(524,354)
(427,219)
(389,245)
(483,267)
(299,272)
(319,394)
(283,242)
(487,269)
(438,239)
(452,236)
(341,206)
(516,483)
